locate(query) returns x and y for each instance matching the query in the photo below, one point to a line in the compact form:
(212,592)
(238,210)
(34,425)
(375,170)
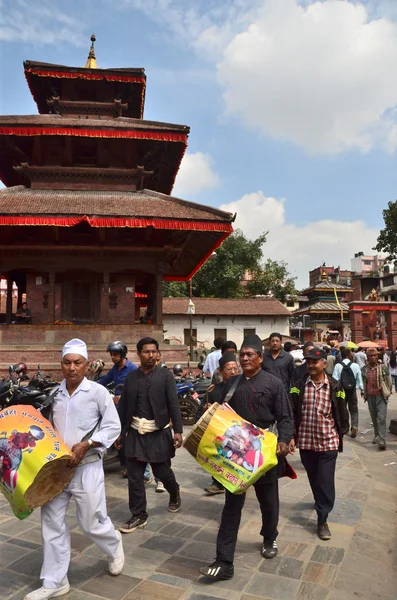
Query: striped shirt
(317,430)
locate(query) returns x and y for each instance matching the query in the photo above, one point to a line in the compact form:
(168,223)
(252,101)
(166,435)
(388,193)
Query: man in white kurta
(85,418)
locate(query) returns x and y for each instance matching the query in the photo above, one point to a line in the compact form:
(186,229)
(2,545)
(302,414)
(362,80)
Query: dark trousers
(320,469)
(352,405)
(136,484)
(267,494)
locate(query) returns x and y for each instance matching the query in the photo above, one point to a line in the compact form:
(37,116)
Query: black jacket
(338,407)
(217,393)
(162,397)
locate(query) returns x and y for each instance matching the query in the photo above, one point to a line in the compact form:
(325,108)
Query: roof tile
(226,306)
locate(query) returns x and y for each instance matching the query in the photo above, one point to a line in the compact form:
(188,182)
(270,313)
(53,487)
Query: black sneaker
(132,524)
(218,570)
(269,549)
(174,503)
(323,531)
(382,445)
(214,489)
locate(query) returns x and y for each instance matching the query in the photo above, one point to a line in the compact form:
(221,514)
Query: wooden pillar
(104,317)
(158,295)
(9,299)
(51,296)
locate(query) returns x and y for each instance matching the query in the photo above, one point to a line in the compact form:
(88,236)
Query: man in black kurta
(148,405)
(261,399)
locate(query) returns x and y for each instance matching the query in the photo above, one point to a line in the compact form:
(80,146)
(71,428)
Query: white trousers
(88,489)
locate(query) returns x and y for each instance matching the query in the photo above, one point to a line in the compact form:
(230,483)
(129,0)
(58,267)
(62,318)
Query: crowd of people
(307,406)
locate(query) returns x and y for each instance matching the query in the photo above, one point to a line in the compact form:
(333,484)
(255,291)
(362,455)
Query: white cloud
(319,76)
(31,22)
(195,175)
(303,247)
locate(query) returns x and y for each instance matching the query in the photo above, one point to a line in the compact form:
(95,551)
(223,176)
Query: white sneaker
(160,487)
(45,593)
(116,564)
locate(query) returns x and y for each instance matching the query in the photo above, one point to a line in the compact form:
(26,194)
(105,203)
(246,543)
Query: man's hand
(177,440)
(282,449)
(292,447)
(117,444)
(116,399)
(78,453)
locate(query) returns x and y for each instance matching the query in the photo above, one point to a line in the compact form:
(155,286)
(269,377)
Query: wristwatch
(90,443)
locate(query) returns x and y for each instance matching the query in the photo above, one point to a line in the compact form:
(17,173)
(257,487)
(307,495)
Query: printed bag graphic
(235,452)
(33,460)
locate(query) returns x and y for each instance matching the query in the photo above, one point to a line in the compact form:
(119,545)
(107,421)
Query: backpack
(347,378)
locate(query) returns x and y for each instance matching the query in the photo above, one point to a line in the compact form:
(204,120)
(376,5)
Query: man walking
(148,403)
(377,389)
(321,420)
(259,398)
(349,375)
(227,367)
(360,358)
(212,360)
(84,416)
(278,362)
(116,375)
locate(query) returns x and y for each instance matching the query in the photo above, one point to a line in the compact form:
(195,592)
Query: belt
(90,459)
(142,425)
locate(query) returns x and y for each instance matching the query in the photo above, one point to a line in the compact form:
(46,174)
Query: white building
(362,263)
(231,319)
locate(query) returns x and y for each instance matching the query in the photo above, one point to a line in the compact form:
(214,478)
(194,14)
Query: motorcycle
(192,397)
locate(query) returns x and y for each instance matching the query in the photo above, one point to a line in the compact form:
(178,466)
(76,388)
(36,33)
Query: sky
(292,104)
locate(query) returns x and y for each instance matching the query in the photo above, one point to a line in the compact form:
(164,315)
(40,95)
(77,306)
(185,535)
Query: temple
(88,227)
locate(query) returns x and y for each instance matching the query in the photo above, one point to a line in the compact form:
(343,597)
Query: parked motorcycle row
(39,390)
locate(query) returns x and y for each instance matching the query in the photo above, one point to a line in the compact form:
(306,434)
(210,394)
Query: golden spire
(91,60)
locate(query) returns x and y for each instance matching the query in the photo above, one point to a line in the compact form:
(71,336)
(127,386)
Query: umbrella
(348,344)
(369,344)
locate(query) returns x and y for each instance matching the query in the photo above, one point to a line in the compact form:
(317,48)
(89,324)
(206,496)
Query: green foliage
(175,289)
(274,279)
(220,276)
(387,240)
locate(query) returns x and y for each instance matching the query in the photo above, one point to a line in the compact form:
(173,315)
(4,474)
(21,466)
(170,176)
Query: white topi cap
(75,346)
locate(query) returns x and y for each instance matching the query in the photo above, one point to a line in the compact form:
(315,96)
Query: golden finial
(91,60)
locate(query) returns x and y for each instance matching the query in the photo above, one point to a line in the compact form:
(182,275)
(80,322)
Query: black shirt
(263,401)
(281,367)
(143,407)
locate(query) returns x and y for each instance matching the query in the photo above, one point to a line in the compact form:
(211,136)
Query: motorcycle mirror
(11,368)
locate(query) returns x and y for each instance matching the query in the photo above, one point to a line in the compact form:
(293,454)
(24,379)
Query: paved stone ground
(162,561)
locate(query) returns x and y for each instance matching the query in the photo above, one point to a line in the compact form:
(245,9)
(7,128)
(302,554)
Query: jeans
(377,407)
(352,404)
(147,473)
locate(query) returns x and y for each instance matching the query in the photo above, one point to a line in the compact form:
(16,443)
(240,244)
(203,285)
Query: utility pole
(191,311)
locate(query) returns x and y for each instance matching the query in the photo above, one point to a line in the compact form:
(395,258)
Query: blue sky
(291,104)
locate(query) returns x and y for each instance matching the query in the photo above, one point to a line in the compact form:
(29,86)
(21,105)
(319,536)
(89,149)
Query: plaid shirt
(373,388)
(317,430)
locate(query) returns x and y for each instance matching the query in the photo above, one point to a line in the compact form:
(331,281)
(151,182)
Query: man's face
(158,357)
(148,355)
(275,344)
(316,367)
(74,368)
(372,356)
(116,358)
(307,350)
(229,369)
(24,305)
(250,360)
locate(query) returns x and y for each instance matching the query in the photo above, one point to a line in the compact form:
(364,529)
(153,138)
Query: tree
(387,240)
(273,279)
(221,275)
(175,289)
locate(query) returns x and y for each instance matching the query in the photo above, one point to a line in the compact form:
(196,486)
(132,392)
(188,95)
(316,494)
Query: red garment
(22,440)
(372,382)
(317,430)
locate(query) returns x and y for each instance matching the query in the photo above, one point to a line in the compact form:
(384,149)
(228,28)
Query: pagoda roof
(326,285)
(170,139)
(19,200)
(44,78)
(202,228)
(322,307)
